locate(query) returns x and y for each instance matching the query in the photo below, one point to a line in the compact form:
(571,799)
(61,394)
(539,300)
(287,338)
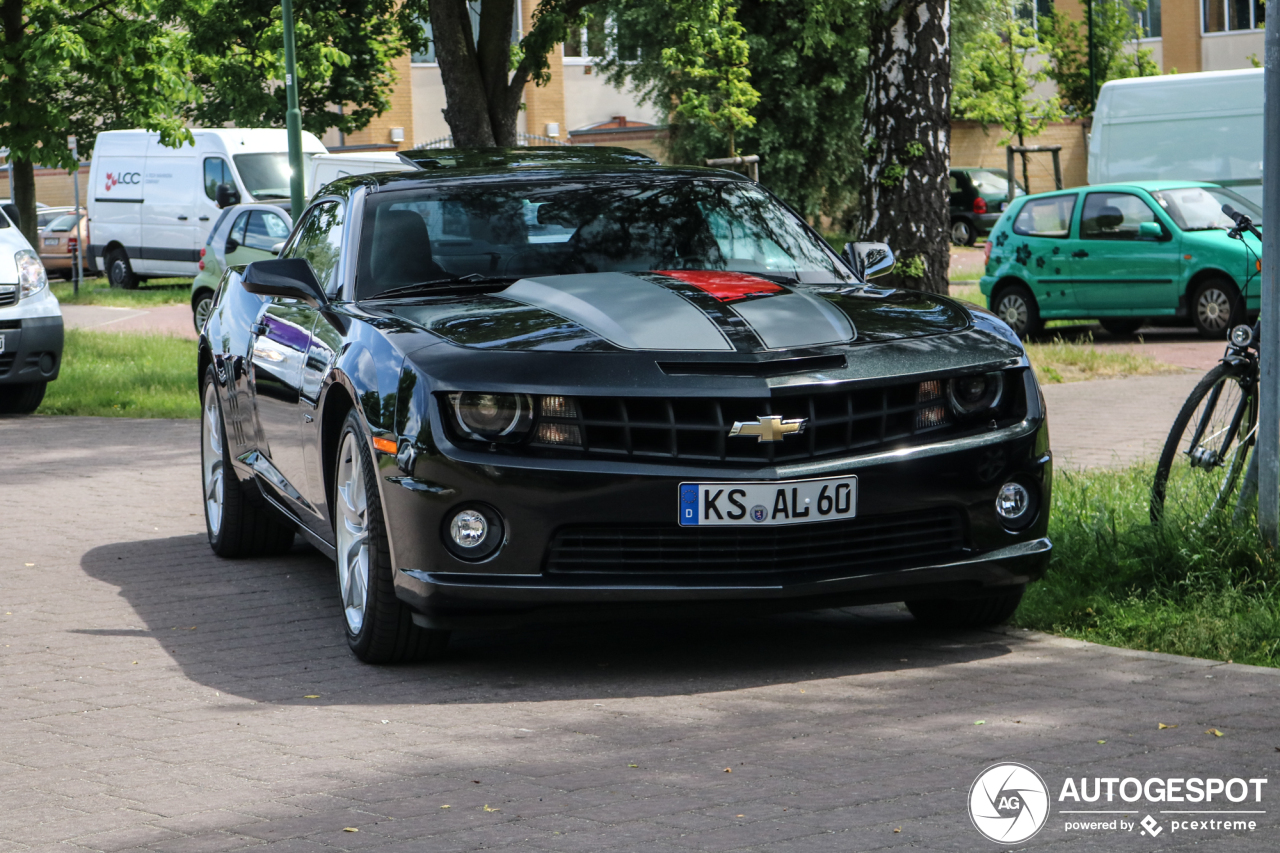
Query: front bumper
(32,349)
(516,584)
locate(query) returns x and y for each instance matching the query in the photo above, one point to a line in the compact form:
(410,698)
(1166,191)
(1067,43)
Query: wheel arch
(1004,284)
(1201,276)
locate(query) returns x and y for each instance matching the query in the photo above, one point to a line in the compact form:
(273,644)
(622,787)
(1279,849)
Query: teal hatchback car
(1121,254)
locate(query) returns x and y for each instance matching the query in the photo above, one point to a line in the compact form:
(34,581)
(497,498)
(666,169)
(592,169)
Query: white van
(1184,127)
(151,207)
(330,167)
(30,322)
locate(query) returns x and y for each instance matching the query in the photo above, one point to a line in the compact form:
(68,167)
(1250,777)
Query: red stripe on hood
(724,286)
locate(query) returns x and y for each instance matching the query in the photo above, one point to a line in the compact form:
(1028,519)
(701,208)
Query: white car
(30,322)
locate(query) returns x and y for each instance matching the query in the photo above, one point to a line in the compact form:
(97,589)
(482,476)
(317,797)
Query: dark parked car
(502,391)
(977,198)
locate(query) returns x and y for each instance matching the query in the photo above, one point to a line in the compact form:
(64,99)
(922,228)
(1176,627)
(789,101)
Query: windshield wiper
(444,284)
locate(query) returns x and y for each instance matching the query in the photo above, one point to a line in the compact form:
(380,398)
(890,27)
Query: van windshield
(1200,208)
(267,175)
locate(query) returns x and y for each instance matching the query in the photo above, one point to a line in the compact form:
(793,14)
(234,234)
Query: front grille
(8,294)
(875,543)
(847,421)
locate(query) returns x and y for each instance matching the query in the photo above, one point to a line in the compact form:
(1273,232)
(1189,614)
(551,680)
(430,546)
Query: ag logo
(1008,803)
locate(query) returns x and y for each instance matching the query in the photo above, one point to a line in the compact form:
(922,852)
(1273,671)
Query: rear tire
(238,521)
(119,272)
(1122,327)
(200,308)
(21,399)
(1215,308)
(1016,306)
(962,232)
(993,608)
(379,627)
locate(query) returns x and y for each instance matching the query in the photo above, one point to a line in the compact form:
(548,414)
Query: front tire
(1215,308)
(379,627)
(119,272)
(1016,306)
(237,525)
(994,608)
(21,399)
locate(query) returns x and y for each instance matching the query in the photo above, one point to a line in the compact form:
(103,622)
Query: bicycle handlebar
(1242,221)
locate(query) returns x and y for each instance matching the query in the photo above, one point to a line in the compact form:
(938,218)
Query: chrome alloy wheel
(1013,310)
(202,312)
(211,460)
(353,534)
(1213,308)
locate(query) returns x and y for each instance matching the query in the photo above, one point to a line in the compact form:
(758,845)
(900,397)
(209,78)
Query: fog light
(1013,502)
(468,529)
(473,532)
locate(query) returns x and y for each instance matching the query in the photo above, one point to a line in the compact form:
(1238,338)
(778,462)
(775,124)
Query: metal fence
(523,140)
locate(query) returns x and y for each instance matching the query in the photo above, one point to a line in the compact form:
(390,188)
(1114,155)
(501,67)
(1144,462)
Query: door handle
(259,329)
(182,218)
(1079,253)
(204,219)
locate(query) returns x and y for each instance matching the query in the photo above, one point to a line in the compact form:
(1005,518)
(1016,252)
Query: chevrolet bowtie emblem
(769,428)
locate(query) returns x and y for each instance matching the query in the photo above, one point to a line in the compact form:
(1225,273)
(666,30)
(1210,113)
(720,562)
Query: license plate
(51,241)
(768,504)
(1,343)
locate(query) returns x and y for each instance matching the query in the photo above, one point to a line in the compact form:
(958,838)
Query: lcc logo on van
(122,178)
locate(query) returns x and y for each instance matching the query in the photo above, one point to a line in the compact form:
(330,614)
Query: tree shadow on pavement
(270,630)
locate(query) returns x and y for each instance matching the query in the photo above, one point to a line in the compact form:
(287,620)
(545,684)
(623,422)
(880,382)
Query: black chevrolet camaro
(508,387)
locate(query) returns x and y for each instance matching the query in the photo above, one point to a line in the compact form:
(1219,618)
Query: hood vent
(758,369)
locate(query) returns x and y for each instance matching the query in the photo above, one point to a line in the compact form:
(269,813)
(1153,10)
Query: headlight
(31,277)
(969,395)
(1242,336)
(492,417)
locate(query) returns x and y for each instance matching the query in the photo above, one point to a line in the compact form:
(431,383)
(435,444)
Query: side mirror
(226,195)
(1150,230)
(11,211)
(289,278)
(277,248)
(869,260)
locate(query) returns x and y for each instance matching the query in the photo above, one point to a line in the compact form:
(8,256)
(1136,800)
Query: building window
(598,39)
(473,8)
(1032,10)
(1149,19)
(1221,16)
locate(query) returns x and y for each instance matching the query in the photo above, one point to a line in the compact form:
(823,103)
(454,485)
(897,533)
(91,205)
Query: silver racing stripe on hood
(795,319)
(625,310)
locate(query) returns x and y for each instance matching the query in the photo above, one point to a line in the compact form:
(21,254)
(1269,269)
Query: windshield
(267,175)
(1200,208)
(64,223)
(537,229)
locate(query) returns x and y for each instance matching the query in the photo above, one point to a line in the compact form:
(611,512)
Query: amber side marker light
(386,445)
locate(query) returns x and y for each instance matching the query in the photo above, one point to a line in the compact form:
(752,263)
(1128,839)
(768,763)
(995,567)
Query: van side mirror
(869,260)
(289,278)
(226,195)
(11,211)
(1150,230)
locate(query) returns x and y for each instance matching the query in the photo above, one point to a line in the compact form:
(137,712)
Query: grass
(1208,591)
(1059,360)
(96,291)
(124,375)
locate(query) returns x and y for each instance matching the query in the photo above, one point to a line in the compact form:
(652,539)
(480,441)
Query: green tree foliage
(806,61)
(1118,53)
(80,67)
(344,53)
(997,79)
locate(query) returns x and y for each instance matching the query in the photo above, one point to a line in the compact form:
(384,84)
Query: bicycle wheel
(1207,448)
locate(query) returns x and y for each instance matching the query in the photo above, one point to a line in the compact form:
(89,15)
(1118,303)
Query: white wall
(1224,51)
(588,99)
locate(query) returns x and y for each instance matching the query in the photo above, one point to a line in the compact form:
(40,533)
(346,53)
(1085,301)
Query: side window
(265,230)
(1113,216)
(319,242)
(238,229)
(216,171)
(1046,217)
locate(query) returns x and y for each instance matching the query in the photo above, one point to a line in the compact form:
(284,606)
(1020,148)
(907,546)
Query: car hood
(677,311)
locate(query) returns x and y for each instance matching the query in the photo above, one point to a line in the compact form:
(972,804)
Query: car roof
(512,158)
(1148,186)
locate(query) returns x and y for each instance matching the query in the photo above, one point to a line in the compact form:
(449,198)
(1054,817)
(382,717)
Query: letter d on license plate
(769,503)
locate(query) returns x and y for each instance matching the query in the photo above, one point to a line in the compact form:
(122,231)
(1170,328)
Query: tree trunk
(907,140)
(23,192)
(465,94)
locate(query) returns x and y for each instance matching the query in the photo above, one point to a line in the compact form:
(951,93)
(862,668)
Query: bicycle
(1211,439)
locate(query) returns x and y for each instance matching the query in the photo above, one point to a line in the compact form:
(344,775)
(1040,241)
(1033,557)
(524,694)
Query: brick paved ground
(153,696)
